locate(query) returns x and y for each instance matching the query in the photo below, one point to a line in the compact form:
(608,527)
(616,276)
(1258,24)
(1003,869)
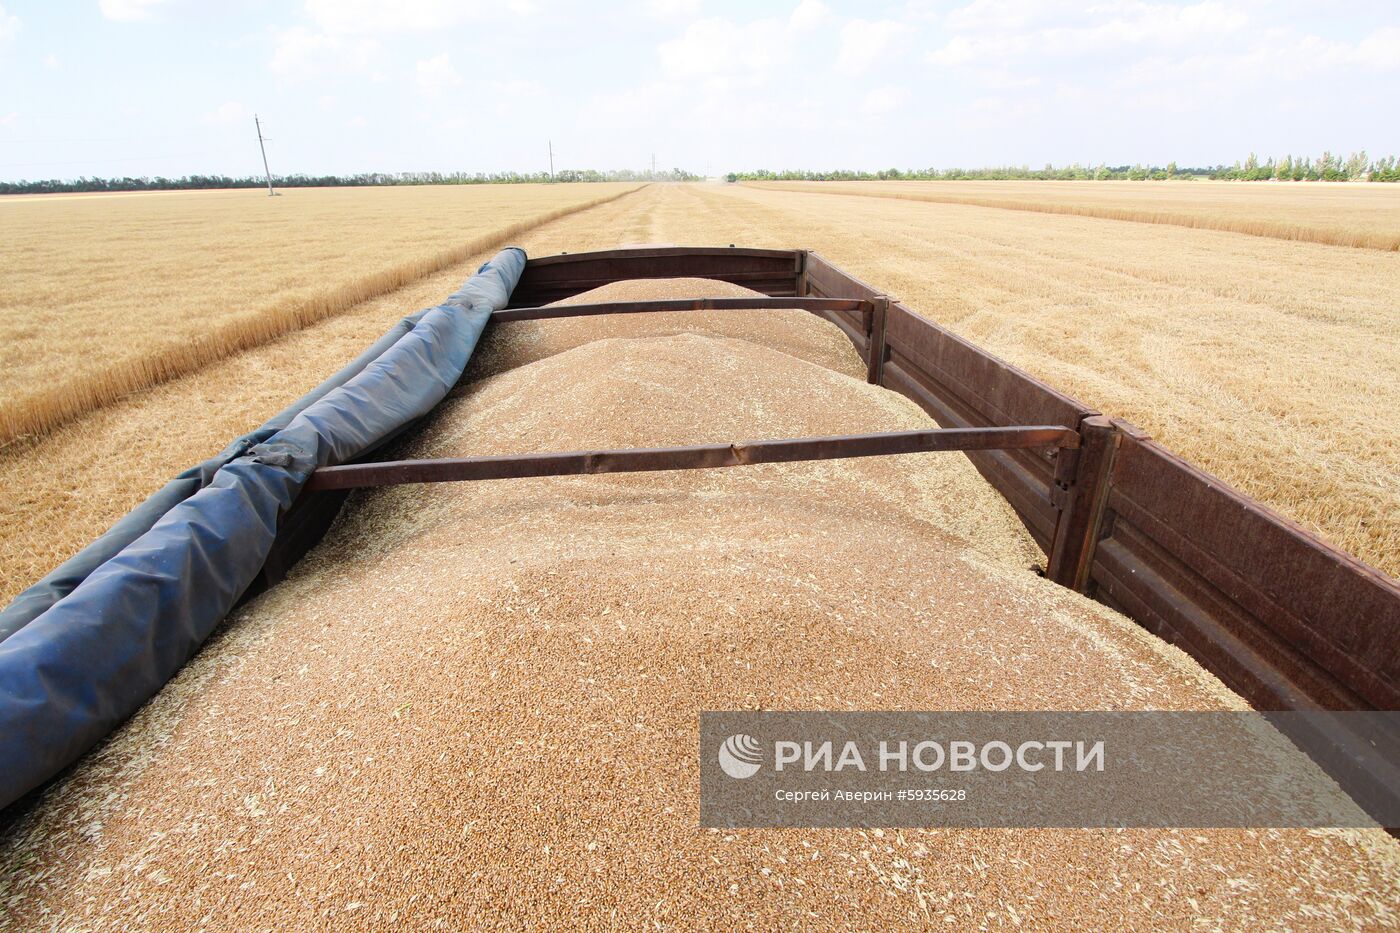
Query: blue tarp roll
(88,645)
(28,605)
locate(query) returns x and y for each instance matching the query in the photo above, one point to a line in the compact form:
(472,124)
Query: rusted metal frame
(660,252)
(830,279)
(779,278)
(1008,471)
(824,279)
(776,286)
(1129,576)
(1080,492)
(706,456)
(799,277)
(1327,622)
(1257,555)
(875,340)
(980,379)
(1335,676)
(1133,586)
(855,333)
(1163,553)
(550,278)
(679,304)
(960,384)
(1239,622)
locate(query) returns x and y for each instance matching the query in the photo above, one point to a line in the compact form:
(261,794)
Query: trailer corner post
(1080,492)
(875,345)
(799,285)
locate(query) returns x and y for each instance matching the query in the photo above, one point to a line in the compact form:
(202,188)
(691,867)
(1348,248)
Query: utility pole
(551,159)
(266,171)
(653,166)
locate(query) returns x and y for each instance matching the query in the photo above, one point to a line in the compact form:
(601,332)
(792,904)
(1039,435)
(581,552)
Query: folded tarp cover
(85,647)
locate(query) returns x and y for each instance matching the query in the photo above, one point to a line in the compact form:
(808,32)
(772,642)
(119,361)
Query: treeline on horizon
(1327,167)
(366,179)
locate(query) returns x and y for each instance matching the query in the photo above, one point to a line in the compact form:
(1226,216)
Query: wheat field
(1271,363)
(158,285)
(1337,214)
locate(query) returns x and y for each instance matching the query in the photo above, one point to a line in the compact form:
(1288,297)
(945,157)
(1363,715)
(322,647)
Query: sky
(169,87)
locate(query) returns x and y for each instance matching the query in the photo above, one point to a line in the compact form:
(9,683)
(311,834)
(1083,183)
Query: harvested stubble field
(474,704)
(1271,363)
(1337,214)
(103,296)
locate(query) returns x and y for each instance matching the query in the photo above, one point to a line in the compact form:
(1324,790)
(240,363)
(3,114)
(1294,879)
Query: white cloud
(718,46)
(991,31)
(882,100)
(357,122)
(1381,49)
(301,52)
(961,50)
(517,88)
(51,62)
(668,8)
(437,74)
(9,25)
(809,14)
(999,79)
(228,113)
(9,119)
(127,10)
(362,16)
(864,41)
(637,106)
(1001,14)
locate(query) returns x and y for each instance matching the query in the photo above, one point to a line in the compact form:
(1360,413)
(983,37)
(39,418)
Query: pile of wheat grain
(515,344)
(476,704)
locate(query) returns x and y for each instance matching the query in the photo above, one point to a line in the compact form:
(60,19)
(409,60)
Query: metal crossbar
(702,457)
(757,303)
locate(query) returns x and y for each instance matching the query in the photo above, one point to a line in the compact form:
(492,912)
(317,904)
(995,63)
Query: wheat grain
(475,704)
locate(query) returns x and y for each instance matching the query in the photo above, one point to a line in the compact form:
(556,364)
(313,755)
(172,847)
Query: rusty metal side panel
(1281,617)
(961,385)
(1020,476)
(550,278)
(826,281)
(1003,393)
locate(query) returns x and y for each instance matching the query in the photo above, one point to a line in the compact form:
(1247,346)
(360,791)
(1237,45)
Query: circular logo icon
(740,756)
